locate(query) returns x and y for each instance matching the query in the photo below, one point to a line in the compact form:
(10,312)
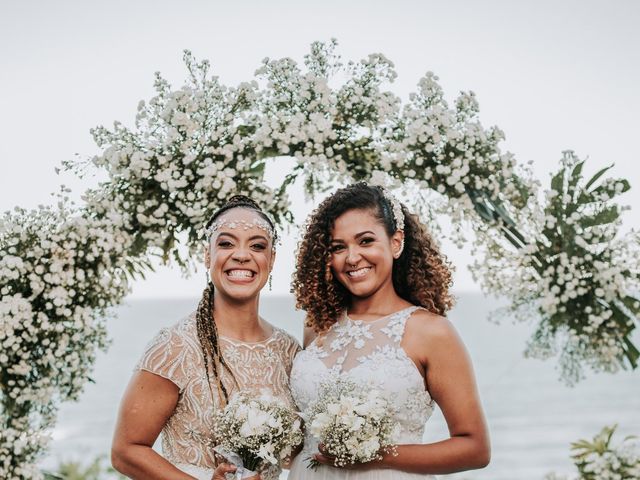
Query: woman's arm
(434,345)
(146,405)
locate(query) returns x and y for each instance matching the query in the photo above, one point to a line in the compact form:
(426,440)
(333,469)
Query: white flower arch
(558,258)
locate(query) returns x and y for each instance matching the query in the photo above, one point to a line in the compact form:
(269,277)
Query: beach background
(532,416)
(552,75)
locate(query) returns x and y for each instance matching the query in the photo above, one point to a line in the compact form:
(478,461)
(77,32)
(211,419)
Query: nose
(241,255)
(353,256)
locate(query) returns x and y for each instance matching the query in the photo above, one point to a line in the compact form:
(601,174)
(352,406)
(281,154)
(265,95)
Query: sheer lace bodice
(188,437)
(370,354)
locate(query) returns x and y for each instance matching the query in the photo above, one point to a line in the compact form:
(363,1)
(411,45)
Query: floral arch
(557,255)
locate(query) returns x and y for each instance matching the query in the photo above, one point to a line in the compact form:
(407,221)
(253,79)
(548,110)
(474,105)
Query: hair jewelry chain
(232,224)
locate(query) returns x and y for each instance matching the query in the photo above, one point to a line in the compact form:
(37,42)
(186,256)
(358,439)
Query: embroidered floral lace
(369,353)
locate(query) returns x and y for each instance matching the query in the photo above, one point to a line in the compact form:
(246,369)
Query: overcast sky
(553,75)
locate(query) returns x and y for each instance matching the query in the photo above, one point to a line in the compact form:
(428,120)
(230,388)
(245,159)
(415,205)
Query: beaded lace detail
(188,436)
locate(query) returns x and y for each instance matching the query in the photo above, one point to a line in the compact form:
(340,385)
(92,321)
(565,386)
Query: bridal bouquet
(354,424)
(256,432)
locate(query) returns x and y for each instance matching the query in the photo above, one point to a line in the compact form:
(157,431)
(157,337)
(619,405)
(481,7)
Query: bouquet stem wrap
(235,459)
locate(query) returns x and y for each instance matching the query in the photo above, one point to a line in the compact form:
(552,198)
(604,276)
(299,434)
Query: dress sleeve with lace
(171,355)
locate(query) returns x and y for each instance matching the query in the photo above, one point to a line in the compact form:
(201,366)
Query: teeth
(240,273)
(360,272)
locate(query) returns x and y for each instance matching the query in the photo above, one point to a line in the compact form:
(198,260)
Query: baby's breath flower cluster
(572,271)
(20,445)
(191,149)
(59,270)
(194,146)
(261,430)
(598,459)
(353,423)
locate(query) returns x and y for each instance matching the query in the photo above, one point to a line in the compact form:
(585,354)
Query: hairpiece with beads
(396,207)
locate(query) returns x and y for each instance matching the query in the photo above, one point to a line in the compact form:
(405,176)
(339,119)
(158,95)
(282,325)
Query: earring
(399,252)
(206,276)
(270,281)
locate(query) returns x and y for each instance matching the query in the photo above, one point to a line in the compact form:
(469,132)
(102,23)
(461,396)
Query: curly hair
(421,275)
(205,323)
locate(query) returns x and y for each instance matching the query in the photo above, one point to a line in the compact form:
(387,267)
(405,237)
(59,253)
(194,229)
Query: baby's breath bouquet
(354,424)
(256,432)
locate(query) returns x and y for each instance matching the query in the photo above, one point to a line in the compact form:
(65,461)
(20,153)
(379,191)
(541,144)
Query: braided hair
(205,323)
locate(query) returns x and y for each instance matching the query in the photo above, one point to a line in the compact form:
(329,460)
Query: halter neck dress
(368,353)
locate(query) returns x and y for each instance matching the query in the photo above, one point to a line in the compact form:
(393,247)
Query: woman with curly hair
(190,370)
(376,288)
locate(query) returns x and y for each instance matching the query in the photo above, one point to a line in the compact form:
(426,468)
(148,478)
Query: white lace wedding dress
(370,354)
(189,435)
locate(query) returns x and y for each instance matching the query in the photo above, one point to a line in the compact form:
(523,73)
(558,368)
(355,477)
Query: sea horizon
(532,416)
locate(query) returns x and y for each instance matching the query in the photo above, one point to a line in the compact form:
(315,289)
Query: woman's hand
(325,458)
(224,468)
(288,460)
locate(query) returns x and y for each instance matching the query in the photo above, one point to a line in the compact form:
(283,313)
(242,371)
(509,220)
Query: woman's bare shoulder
(431,333)
(424,322)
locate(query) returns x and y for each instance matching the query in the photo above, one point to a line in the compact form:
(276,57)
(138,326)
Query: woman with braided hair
(376,288)
(189,371)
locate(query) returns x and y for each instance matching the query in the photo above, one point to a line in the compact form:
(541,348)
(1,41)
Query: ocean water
(532,416)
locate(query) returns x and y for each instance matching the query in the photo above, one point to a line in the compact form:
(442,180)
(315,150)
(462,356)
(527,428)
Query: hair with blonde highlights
(421,275)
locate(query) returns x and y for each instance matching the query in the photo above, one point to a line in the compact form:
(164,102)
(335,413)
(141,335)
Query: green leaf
(52,476)
(289,179)
(139,244)
(576,175)
(167,245)
(504,215)
(632,303)
(626,186)
(608,215)
(257,168)
(581,445)
(589,197)
(595,178)
(478,200)
(557,182)
(485,212)
(631,352)
(513,237)
(621,315)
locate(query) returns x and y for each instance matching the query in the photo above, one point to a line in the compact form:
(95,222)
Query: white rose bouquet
(354,424)
(256,432)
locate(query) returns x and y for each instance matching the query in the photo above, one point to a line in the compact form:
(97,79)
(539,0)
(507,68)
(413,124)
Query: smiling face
(240,254)
(362,253)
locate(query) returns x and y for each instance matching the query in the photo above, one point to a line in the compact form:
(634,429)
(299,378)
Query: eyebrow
(254,237)
(357,235)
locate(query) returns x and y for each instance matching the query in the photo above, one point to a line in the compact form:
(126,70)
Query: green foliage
(97,469)
(599,459)
(582,227)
